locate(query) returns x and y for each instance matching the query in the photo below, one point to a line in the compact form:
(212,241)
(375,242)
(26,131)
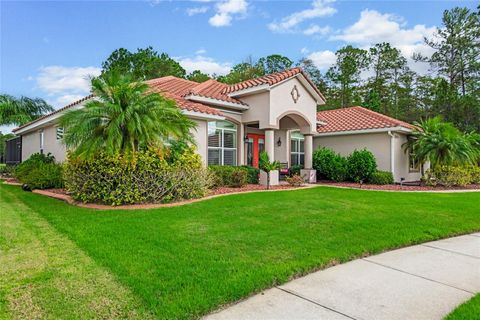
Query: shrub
(361,164)
(449,176)
(252,174)
(295,180)
(295,170)
(149,178)
(475,174)
(329,164)
(40,172)
(381,177)
(7,170)
(229,176)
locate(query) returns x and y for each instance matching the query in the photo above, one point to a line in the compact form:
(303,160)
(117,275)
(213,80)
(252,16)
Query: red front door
(255,145)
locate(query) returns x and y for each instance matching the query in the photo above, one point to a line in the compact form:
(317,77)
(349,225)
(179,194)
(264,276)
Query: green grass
(467,311)
(182,262)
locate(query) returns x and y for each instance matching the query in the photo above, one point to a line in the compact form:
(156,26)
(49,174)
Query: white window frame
(412,160)
(298,154)
(59,132)
(42,139)
(222,147)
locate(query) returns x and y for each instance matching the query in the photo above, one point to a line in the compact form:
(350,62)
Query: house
(276,113)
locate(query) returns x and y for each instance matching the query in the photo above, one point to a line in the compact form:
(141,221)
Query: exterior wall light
(279,142)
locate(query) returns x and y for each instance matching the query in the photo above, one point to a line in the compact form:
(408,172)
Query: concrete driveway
(420,282)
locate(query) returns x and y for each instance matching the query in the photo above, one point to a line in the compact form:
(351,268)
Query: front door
(255,145)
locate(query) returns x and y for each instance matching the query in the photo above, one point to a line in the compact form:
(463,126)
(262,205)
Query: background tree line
(378,78)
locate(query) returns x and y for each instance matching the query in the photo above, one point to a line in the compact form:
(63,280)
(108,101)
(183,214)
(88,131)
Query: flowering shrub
(147,178)
(449,176)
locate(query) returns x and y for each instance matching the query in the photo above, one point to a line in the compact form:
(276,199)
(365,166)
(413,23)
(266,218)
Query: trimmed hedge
(381,177)
(229,176)
(147,178)
(252,174)
(329,164)
(450,176)
(40,172)
(361,164)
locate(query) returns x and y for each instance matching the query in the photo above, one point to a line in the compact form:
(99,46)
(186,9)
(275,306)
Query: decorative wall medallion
(295,94)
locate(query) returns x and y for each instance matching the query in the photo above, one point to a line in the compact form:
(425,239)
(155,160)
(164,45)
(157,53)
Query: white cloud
(304,50)
(200,51)
(317,30)
(65,84)
(204,64)
(320,8)
(322,59)
(226,10)
(196,10)
(374,27)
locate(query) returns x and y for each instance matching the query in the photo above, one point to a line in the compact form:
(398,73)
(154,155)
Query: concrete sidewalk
(420,282)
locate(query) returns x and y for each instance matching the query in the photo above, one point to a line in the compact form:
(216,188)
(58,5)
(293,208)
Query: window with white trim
(297,149)
(59,133)
(413,164)
(222,143)
(42,139)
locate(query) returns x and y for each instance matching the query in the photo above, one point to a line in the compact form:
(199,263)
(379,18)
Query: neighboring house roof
(272,79)
(356,119)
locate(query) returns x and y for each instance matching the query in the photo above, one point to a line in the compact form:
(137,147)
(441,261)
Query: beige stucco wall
(200,136)
(31,144)
(280,153)
(379,145)
(258,108)
(281,103)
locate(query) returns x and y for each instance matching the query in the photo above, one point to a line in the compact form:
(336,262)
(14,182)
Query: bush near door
(229,176)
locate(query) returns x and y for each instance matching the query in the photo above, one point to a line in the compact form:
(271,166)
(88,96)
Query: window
(413,165)
(59,133)
(42,139)
(222,143)
(297,151)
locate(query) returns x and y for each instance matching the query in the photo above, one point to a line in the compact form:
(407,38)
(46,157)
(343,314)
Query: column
(308,174)
(308,148)
(270,144)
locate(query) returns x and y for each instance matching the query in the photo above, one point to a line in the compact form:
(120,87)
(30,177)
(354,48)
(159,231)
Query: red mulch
(395,187)
(248,187)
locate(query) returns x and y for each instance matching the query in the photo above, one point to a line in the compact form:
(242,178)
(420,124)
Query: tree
(345,74)
(243,71)
(274,63)
(18,111)
(442,143)
(198,76)
(144,64)
(3,145)
(313,73)
(267,166)
(123,118)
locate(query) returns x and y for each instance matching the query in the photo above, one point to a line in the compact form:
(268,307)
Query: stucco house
(276,113)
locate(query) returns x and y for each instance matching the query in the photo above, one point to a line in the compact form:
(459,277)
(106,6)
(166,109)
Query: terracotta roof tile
(213,89)
(355,118)
(272,79)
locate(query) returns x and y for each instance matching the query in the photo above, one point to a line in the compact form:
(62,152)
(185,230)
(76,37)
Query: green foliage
(198,76)
(274,63)
(147,178)
(361,164)
(442,144)
(295,180)
(296,169)
(19,111)
(229,176)
(381,177)
(329,164)
(40,172)
(124,118)
(3,144)
(144,64)
(447,176)
(253,174)
(267,166)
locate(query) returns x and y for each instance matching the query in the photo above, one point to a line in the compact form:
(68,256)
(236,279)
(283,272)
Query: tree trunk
(268,180)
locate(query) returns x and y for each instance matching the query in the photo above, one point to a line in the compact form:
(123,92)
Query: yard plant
(61,261)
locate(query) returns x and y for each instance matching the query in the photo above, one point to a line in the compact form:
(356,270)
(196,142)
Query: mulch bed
(395,187)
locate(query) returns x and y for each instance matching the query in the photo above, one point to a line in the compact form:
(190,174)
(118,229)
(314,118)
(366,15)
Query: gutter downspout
(392,154)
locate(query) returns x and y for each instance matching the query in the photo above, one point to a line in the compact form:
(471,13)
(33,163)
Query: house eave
(216,102)
(248,91)
(365,131)
(201,115)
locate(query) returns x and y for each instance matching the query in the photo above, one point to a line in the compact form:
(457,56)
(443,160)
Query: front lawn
(182,262)
(466,311)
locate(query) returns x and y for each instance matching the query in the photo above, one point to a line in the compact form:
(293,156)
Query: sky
(49,49)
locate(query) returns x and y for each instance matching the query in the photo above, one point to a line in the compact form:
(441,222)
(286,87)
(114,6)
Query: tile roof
(54,112)
(213,89)
(272,79)
(355,118)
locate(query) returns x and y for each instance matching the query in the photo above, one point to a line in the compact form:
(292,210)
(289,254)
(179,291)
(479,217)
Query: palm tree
(123,118)
(442,144)
(19,111)
(267,166)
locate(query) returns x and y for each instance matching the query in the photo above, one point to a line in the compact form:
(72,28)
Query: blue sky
(48,49)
